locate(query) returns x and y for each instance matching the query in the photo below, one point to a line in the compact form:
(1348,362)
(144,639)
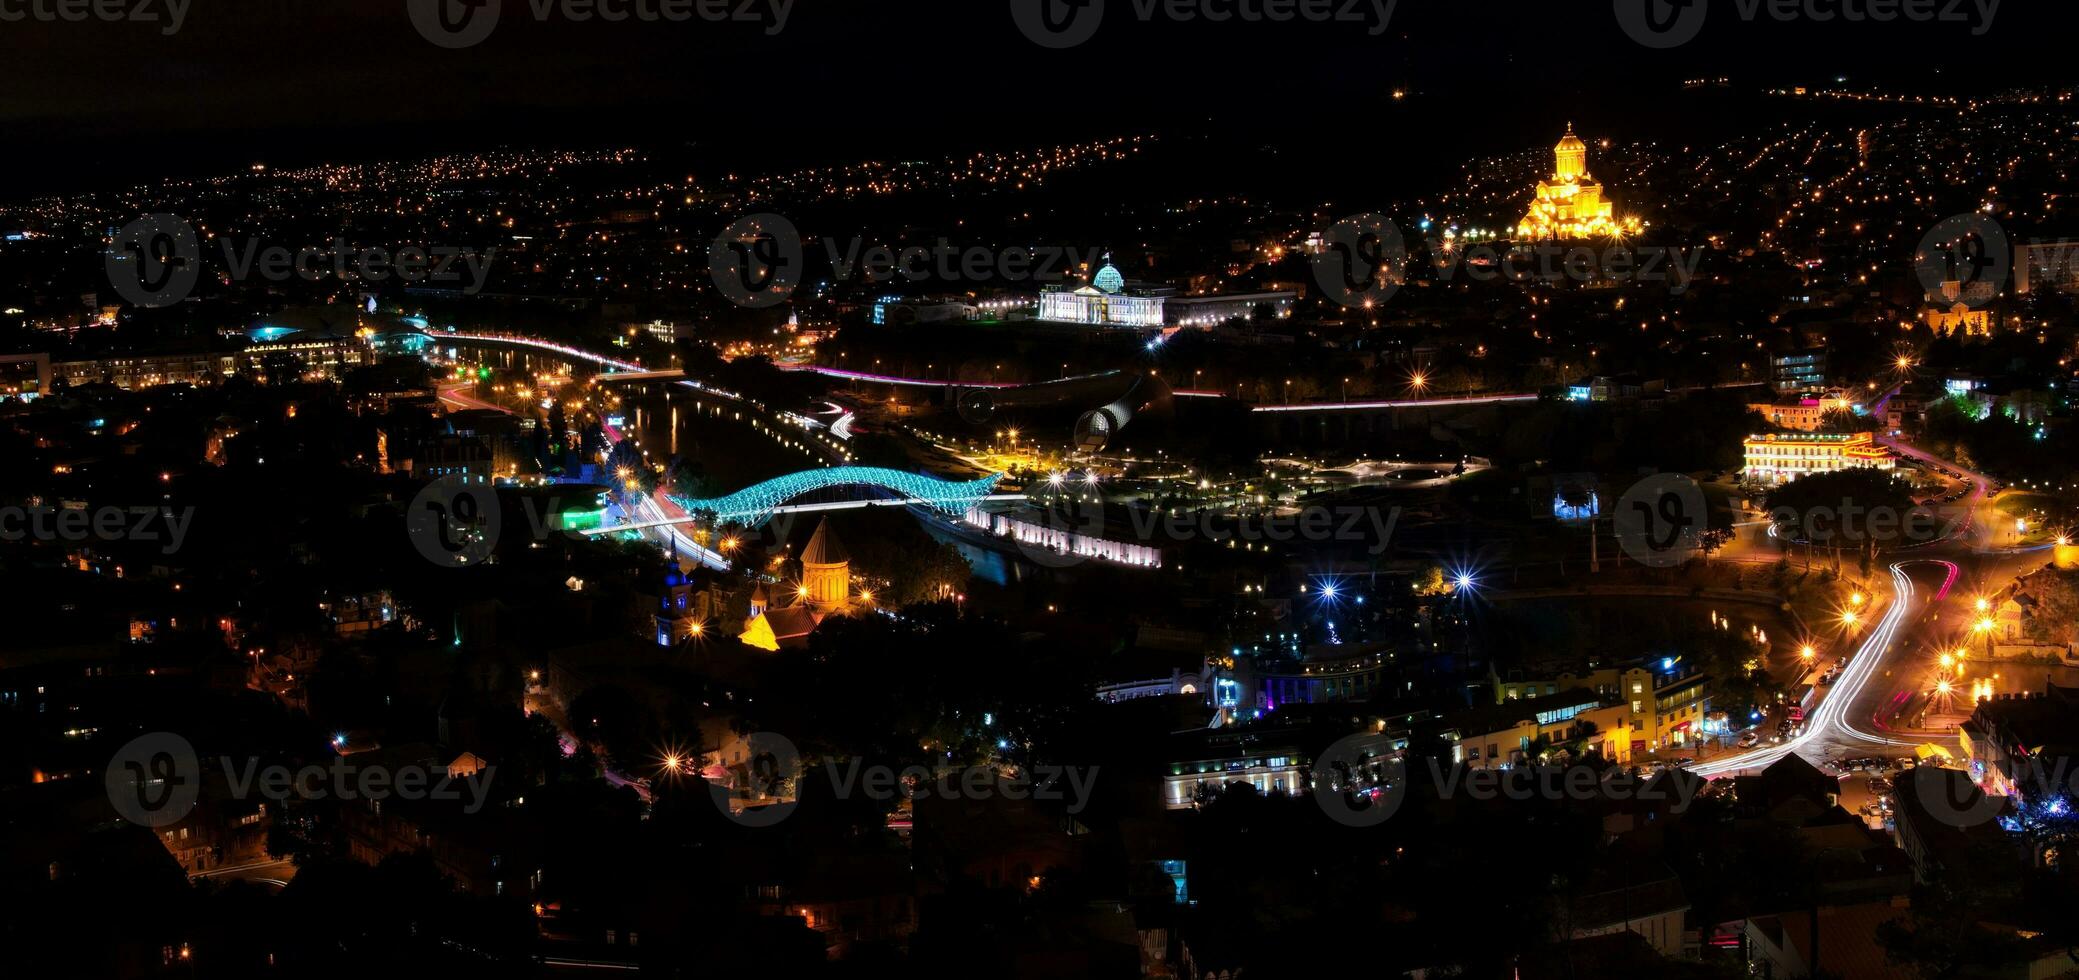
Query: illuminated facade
(1570,204)
(1655,705)
(1783,457)
(1803,414)
(1962,307)
(1104,302)
(826,572)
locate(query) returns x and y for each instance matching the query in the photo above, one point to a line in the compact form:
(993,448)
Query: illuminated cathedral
(1571,204)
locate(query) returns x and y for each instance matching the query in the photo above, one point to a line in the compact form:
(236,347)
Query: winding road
(1842,722)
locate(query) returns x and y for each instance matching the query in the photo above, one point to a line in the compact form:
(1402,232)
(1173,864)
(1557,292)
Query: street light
(1807,652)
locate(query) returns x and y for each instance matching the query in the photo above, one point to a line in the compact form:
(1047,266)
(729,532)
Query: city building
(1930,804)
(1660,703)
(2022,745)
(1958,306)
(1570,203)
(2047,265)
(1617,388)
(145,370)
(1578,720)
(1798,371)
(1325,673)
(1105,301)
(826,571)
(1268,756)
(1783,457)
(1803,413)
(1207,312)
(1109,300)
(24,375)
(904,312)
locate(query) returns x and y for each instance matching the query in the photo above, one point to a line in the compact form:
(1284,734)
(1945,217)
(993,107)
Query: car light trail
(1830,718)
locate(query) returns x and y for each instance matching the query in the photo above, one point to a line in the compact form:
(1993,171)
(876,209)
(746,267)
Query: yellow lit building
(826,572)
(1570,204)
(1960,307)
(1784,456)
(1630,709)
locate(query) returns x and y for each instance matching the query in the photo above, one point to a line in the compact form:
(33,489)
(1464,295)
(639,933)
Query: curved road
(1842,722)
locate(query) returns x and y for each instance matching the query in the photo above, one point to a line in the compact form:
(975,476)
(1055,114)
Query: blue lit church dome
(1108,278)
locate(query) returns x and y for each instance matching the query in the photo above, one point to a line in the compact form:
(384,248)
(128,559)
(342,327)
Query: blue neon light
(754,505)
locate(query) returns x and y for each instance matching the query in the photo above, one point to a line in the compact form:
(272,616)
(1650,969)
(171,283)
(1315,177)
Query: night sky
(89,104)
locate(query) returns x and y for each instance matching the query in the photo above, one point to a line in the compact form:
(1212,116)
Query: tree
(1860,508)
(1843,420)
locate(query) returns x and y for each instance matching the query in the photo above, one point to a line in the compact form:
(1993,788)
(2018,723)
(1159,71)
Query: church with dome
(1570,203)
(826,587)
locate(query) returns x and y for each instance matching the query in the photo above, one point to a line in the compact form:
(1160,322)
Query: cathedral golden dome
(1571,157)
(1570,205)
